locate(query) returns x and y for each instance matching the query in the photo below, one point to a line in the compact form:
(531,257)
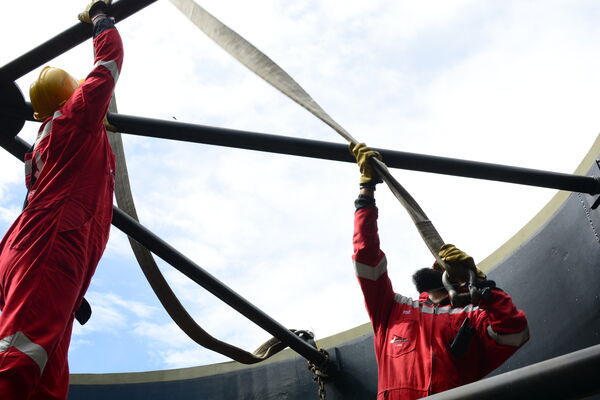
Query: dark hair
(427,279)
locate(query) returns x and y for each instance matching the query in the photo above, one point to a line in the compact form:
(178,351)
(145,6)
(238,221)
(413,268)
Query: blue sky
(512,82)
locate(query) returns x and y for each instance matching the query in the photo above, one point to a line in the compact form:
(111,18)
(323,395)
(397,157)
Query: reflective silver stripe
(425,309)
(28,167)
(39,164)
(22,343)
(467,309)
(450,310)
(512,339)
(398,298)
(43,133)
(445,310)
(369,272)
(111,66)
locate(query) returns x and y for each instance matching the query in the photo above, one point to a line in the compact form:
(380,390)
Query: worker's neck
(437,296)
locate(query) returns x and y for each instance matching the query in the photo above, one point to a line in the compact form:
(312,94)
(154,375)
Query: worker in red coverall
(426,346)
(50,253)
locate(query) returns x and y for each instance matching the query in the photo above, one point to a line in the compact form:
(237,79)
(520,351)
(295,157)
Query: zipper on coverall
(435,311)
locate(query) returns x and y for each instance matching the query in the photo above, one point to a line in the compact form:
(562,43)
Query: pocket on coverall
(34,224)
(402,338)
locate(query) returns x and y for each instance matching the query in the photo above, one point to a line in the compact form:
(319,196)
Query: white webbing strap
(255,60)
(159,284)
(263,66)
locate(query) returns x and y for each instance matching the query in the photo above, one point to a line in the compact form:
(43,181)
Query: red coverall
(49,254)
(412,337)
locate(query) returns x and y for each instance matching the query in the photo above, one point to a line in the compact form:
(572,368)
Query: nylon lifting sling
(159,284)
(268,70)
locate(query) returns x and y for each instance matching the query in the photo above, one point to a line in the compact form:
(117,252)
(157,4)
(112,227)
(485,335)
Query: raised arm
(97,89)
(369,261)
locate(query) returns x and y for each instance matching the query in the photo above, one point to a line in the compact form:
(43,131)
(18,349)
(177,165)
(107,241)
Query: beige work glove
(109,127)
(92,9)
(455,258)
(362,153)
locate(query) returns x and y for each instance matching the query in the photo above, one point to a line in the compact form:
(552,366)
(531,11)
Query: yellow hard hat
(50,91)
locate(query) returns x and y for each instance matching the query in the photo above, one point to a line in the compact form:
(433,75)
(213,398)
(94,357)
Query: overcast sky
(511,82)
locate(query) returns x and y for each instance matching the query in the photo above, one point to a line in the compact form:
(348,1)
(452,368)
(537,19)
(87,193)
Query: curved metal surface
(572,376)
(285,376)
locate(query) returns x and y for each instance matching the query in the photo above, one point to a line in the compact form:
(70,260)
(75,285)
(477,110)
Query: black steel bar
(187,132)
(339,152)
(17,147)
(186,266)
(21,113)
(572,376)
(64,41)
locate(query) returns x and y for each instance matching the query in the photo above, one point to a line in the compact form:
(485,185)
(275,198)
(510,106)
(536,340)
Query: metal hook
(462,299)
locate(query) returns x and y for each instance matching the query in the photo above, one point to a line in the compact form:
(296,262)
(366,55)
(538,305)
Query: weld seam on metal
(589,217)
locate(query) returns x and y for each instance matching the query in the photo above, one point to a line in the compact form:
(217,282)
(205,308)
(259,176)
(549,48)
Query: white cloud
(105,319)
(112,314)
(188,358)
(9,214)
(77,344)
(169,335)
(118,244)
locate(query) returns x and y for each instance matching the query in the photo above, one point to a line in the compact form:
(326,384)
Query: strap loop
(158,282)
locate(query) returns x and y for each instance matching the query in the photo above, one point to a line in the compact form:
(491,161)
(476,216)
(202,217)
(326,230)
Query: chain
(319,375)
(322,394)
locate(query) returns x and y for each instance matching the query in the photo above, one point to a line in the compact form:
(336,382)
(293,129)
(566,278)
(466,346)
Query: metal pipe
(186,266)
(193,133)
(64,41)
(339,152)
(572,376)
(17,147)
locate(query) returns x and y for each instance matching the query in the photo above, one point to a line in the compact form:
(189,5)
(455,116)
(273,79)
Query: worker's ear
(426,279)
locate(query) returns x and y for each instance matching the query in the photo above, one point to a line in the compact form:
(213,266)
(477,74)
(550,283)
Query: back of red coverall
(49,254)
